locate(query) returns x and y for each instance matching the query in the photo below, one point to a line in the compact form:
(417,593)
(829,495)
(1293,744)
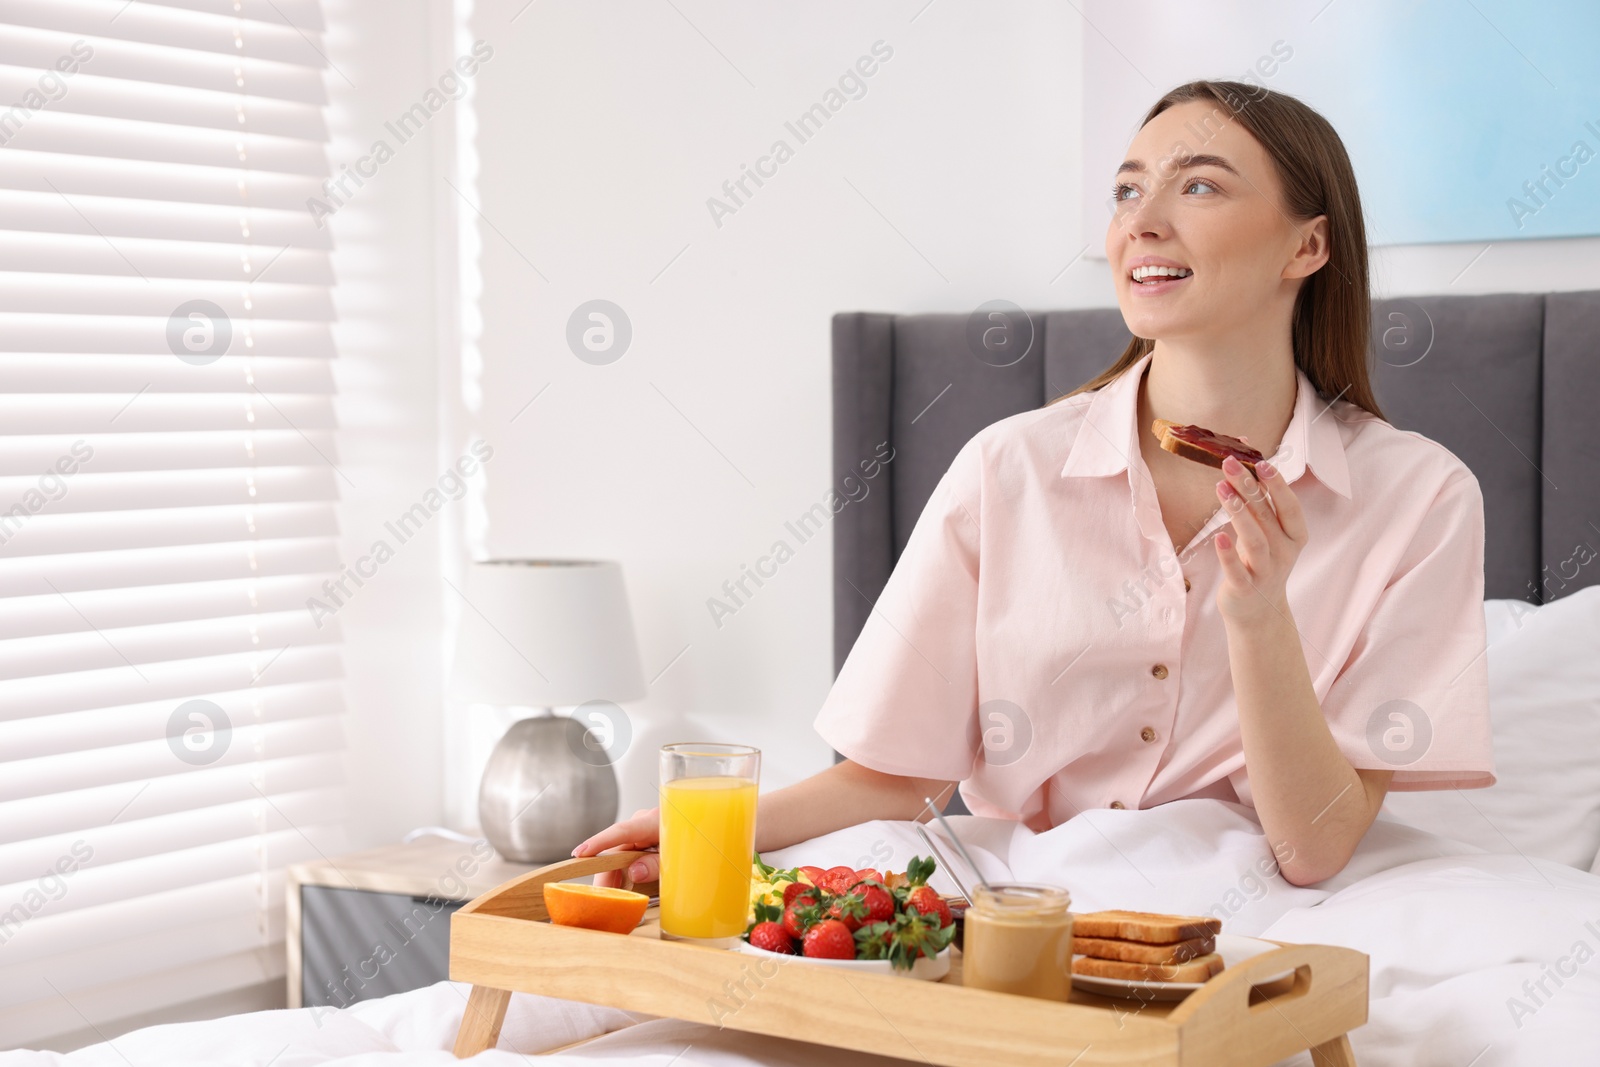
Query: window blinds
(169,727)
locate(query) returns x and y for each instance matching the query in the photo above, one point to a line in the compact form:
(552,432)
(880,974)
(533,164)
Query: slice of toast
(1137,952)
(1149,927)
(1203,445)
(1196,970)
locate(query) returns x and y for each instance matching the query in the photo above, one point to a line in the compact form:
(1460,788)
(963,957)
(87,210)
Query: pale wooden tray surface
(503,942)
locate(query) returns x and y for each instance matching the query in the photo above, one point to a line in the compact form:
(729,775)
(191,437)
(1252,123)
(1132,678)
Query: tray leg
(1335,1053)
(480,1023)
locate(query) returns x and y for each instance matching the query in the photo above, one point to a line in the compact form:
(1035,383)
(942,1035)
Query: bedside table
(378,922)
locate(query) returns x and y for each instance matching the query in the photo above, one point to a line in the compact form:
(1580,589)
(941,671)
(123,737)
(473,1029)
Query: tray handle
(523,897)
(1323,998)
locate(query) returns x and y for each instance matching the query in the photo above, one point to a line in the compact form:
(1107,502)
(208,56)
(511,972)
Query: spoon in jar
(928,840)
(976,873)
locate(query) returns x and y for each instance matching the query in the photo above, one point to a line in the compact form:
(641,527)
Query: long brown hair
(1333,311)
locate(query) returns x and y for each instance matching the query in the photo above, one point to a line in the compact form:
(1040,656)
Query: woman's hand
(640,832)
(1269,530)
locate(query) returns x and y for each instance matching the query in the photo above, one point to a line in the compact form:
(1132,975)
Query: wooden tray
(503,942)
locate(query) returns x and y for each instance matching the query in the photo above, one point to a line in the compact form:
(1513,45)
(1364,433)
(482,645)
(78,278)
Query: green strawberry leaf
(810,914)
(915,936)
(869,941)
(919,870)
(852,906)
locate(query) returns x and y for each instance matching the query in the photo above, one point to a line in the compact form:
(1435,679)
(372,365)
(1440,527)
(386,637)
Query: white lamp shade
(545,633)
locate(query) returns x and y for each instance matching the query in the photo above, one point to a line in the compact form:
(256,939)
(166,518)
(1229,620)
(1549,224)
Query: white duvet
(1477,960)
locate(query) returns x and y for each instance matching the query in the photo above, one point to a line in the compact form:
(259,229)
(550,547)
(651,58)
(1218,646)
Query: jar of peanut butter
(1018,939)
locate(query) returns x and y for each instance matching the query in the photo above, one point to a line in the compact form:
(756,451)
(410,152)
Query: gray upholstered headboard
(1509,382)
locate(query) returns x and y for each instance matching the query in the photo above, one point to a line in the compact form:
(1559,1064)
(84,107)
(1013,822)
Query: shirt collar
(1108,435)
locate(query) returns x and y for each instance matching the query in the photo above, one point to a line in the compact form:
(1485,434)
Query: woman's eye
(1120,188)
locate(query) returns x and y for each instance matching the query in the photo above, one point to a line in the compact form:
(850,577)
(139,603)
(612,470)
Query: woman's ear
(1313,249)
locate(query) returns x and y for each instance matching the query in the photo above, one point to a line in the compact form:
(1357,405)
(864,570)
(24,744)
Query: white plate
(925,969)
(1233,948)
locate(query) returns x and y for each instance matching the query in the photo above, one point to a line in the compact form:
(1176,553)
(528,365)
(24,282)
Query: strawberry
(813,873)
(799,916)
(792,923)
(903,940)
(794,889)
(879,902)
(849,909)
(866,902)
(830,939)
(915,935)
(873,940)
(869,874)
(772,937)
(837,879)
(929,903)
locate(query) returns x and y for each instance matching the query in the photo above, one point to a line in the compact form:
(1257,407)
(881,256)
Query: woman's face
(1198,191)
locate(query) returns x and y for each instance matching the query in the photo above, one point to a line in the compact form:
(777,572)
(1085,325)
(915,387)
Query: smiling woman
(1344,581)
(1239,253)
(1250,171)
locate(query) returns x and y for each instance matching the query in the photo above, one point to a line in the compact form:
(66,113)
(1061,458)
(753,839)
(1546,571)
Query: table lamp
(547,633)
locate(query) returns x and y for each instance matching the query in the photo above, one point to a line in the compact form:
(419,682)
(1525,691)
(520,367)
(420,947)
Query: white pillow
(1544,702)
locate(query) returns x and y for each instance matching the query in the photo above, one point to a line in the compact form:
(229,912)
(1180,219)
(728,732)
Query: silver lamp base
(544,790)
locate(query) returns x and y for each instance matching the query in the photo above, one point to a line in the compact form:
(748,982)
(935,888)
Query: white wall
(386,261)
(603,131)
(954,180)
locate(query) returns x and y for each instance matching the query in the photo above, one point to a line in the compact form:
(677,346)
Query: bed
(1480,913)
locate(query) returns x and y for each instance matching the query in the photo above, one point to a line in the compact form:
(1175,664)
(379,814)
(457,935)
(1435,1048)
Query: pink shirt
(1041,641)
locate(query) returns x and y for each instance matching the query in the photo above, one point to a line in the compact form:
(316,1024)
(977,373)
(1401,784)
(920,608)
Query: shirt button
(1148,734)
(1186,585)
(1159,670)
(1117,804)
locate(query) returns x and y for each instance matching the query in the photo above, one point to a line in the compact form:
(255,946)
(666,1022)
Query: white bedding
(1453,932)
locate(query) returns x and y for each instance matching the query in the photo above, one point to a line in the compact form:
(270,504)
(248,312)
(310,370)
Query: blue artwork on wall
(1483,123)
(1466,120)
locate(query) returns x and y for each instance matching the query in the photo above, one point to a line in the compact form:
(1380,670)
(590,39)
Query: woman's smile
(1154,275)
(1156,284)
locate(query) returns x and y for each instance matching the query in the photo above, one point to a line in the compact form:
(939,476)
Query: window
(169,708)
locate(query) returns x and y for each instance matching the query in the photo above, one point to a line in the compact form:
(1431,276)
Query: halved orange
(594,907)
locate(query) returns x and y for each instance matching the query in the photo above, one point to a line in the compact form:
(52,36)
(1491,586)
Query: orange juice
(708,832)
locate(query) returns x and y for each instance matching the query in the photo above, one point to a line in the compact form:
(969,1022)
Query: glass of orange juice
(708,840)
